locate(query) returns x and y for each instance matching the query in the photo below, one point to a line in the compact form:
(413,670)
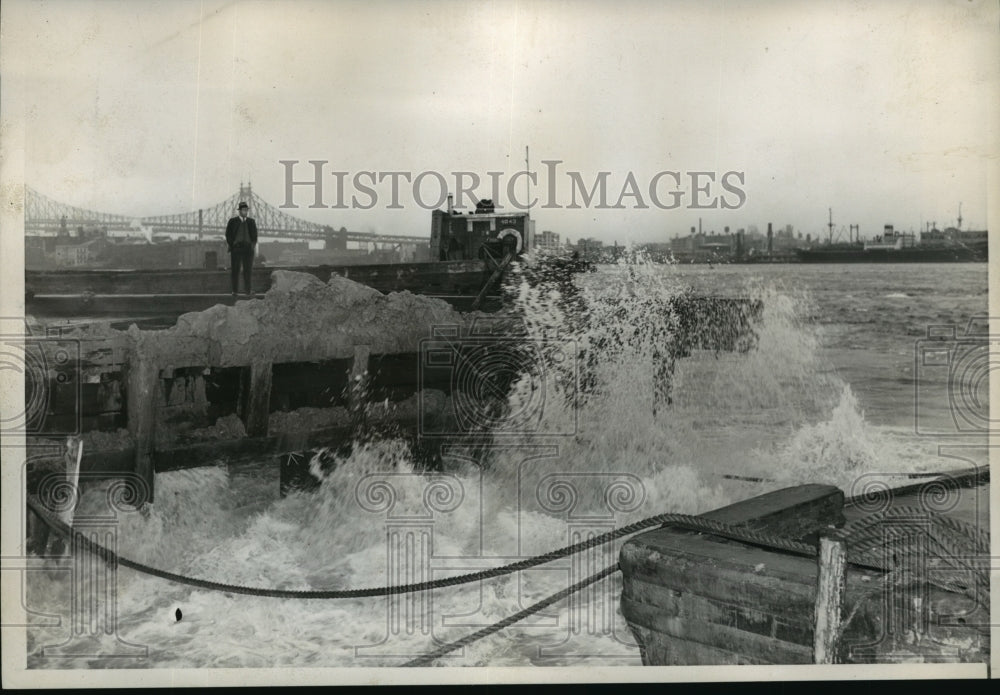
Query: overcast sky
(879,110)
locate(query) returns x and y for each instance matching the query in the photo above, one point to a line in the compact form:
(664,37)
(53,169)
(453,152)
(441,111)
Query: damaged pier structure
(286,373)
(310,364)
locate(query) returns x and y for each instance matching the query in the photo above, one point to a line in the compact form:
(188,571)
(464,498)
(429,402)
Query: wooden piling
(831,586)
(357,386)
(72,458)
(142,383)
(255,398)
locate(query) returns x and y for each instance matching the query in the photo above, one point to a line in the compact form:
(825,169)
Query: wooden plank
(108,462)
(391,276)
(829,599)
(117,462)
(791,511)
(686,605)
(731,639)
(784,587)
(672,651)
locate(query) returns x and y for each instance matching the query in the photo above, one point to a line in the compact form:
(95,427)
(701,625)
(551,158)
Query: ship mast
(527,185)
(959,215)
(830,225)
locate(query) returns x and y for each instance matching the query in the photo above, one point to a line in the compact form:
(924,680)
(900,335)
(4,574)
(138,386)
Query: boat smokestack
(450,199)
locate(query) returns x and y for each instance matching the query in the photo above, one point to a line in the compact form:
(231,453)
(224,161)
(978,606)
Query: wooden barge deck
(166,294)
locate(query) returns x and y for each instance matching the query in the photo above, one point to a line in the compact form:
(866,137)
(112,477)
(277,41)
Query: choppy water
(835,391)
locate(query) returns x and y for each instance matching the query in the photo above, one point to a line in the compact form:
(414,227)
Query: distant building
(547,241)
(79,254)
(72,255)
(589,244)
(277,252)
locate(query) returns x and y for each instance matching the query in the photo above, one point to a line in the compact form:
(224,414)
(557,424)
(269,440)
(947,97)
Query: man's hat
(243,205)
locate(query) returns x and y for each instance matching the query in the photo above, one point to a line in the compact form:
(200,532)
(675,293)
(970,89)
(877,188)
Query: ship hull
(911,255)
(157,296)
(448,277)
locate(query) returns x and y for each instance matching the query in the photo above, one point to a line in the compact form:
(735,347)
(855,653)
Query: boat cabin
(456,236)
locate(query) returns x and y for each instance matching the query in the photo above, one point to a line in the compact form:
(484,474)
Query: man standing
(241,236)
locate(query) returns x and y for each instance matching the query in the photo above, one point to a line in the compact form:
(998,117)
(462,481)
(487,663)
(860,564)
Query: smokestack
(770,239)
(449,203)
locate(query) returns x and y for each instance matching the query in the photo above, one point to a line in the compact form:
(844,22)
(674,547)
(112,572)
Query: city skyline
(839,232)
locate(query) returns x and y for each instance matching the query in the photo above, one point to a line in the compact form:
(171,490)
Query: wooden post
(255,398)
(72,457)
(829,599)
(357,386)
(142,384)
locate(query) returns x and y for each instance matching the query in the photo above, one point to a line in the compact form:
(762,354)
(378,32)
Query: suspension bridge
(45,216)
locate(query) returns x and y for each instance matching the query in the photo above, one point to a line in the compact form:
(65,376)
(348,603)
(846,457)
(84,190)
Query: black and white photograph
(496,342)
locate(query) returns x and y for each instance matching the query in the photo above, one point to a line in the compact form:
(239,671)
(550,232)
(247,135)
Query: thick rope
(859,557)
(959,539)
(426,659)
(679,520)
(953,542)
(976,538)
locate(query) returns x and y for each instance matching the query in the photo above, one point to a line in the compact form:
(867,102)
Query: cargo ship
(950,246)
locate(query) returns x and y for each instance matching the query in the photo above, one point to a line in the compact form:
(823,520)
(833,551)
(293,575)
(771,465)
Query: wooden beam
(114,463)
(829,599)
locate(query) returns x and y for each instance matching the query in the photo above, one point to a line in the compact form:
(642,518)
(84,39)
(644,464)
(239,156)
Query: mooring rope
(687,521)
(426,659)
(861,556)
(959,540)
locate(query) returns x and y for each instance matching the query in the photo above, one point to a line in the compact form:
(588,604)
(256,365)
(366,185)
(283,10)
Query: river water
(839,389)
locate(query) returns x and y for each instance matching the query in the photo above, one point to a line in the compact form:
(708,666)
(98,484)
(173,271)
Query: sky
(878,110)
